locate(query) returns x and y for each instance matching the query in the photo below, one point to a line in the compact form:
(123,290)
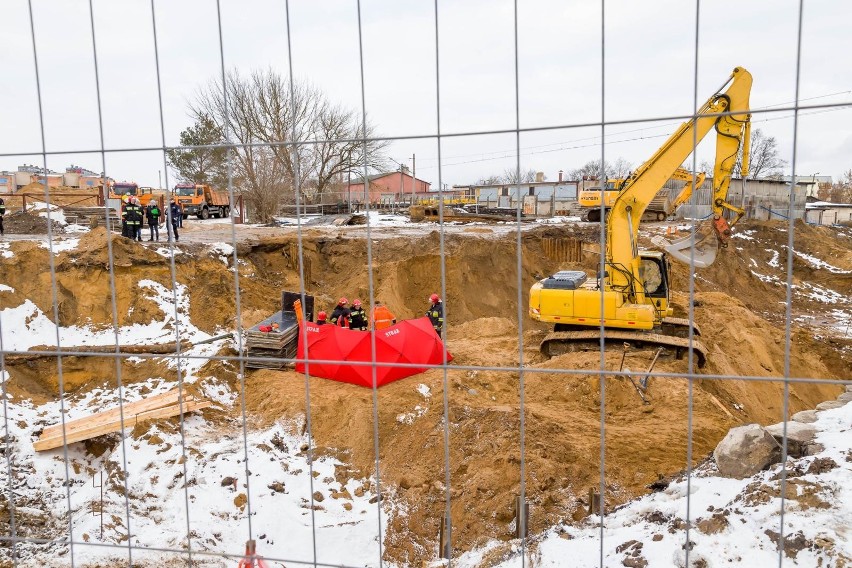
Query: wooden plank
(107,428)
(46,351)
(156,348)
(721,406)
(144,405)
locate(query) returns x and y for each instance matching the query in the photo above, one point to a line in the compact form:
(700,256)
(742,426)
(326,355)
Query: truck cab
(201,200)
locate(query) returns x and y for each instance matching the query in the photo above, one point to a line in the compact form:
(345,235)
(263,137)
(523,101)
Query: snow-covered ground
(26,326)
(176,484)
(732,522)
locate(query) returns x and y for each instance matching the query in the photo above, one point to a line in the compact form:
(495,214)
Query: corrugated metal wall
(762,199)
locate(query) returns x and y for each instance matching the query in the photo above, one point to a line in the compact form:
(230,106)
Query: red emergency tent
(409,342)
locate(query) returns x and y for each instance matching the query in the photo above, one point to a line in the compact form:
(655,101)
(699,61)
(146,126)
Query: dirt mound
(84,283)
(753,268)
(24,223)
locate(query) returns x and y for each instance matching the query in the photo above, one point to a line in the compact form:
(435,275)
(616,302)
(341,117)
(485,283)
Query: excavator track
(561,342)
(679,327)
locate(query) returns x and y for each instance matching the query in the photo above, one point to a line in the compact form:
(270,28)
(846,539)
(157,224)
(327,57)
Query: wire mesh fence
(475,463)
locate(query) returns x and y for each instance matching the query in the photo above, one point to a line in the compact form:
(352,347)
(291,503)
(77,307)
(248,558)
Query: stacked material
(117,419)
(272,340)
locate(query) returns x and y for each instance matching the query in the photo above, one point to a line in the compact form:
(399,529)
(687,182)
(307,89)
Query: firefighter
(125,231)
(357,316)
(435,313)
(133,213)
(382,317)
(340,314)
(322,318)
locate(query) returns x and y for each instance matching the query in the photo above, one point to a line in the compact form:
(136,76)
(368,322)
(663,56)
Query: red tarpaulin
(409,342)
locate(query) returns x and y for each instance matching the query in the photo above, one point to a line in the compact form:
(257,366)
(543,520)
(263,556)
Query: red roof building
(392,186)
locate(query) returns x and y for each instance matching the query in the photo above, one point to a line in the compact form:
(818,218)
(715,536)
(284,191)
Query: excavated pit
(740,310)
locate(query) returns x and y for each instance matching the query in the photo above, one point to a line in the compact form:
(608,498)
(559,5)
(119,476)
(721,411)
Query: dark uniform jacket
(340,316)
(358,318)
(435,313)
(176,212)
(153,214)
(133,214)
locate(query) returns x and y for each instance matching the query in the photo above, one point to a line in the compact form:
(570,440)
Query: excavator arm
(727,112)
(695,180)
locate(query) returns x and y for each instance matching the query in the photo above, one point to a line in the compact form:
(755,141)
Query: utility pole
(401,182)
(413,178)
(159,179)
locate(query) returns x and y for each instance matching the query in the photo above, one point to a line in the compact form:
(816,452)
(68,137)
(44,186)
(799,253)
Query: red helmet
(356,302)
(321,316)
(434,298)
(342,302)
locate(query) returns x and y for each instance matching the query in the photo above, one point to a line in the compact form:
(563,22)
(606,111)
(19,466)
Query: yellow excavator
(632,298)
(658,209)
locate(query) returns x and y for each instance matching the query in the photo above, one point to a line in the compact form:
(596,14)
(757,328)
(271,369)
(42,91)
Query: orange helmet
(321,316)
(356,302)
(342,302)
(434,298)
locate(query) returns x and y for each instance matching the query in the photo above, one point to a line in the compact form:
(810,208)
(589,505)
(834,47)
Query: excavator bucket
(704,242)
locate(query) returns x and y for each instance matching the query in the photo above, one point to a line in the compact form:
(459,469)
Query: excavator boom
(727,112)
(631,300)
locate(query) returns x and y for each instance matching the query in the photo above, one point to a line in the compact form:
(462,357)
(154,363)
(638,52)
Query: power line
(664,125)
(506,154)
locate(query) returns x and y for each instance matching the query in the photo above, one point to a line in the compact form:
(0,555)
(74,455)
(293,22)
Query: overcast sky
(649,51)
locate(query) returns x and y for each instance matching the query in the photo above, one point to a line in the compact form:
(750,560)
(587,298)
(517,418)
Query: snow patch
(820,264)
(223,250)
(745,235)
(773,262)
(167,252)
(61,245)
(410,417)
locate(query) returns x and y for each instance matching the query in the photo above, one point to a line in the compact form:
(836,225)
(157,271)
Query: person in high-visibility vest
(382,317)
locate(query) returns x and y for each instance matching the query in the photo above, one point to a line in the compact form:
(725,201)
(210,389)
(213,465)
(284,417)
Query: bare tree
(838,192)
(340,146)
(510,176)
(621,168)
(592,170)
(310,141)
(764,160)
(490,180)
(263,183)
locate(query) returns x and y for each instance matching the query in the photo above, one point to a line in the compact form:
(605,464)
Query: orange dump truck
(201,200)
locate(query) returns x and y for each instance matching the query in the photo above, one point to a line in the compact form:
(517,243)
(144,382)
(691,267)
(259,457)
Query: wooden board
(93,430)
(144,405)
